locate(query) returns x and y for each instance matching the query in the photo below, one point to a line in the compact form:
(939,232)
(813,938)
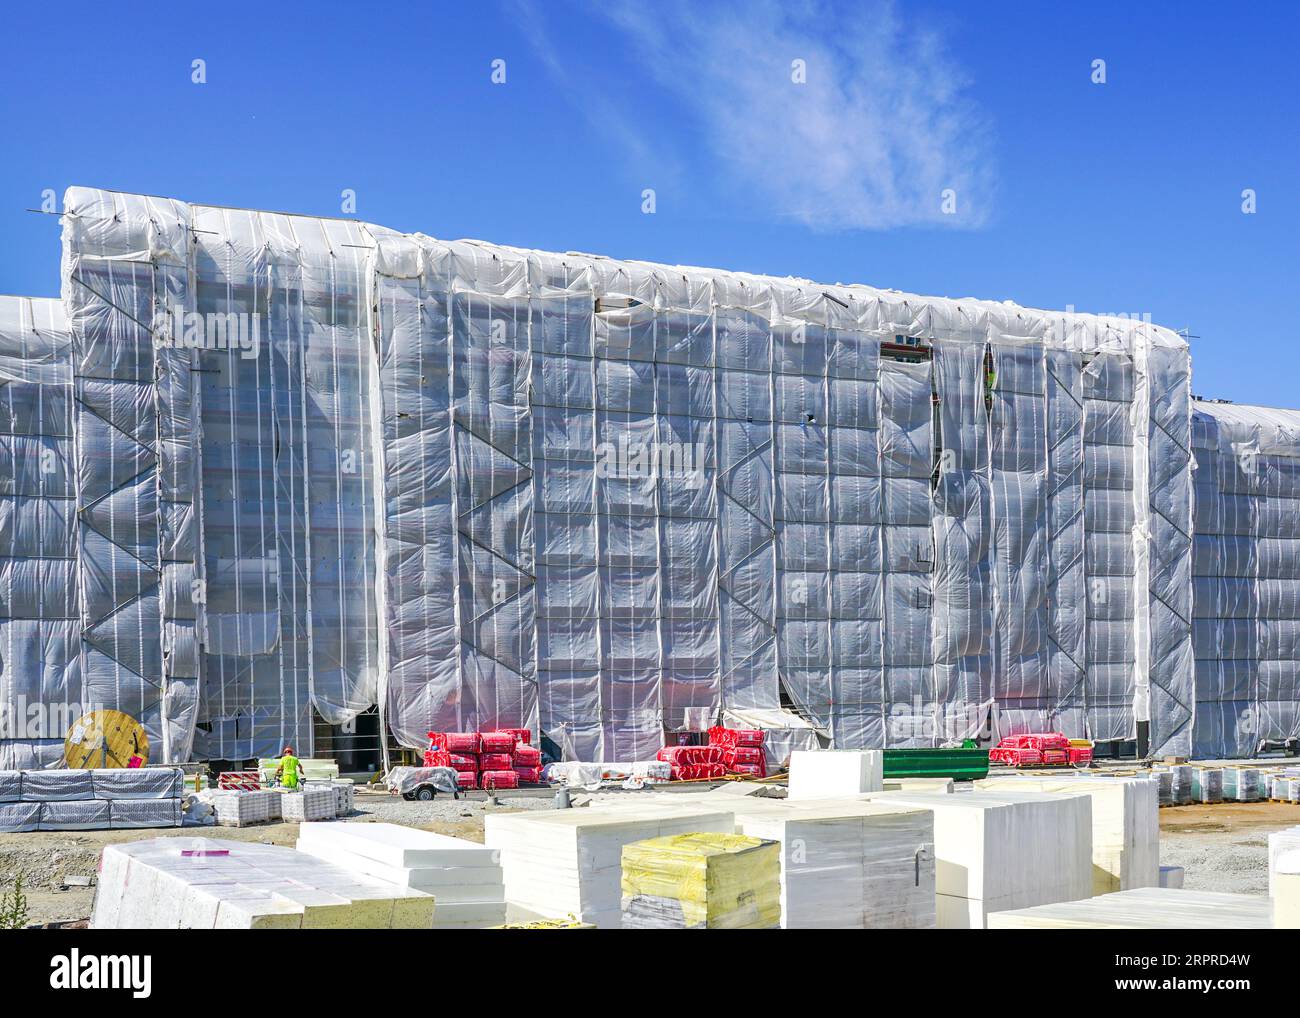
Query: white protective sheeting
(1004,850)
(226,542)
(604,499)
(41,689)
(1246,579)
(1147,908)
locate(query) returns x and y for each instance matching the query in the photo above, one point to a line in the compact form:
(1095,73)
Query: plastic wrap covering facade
(1247,577)
(496,488)
(677,489)
(40,631)
(226,549)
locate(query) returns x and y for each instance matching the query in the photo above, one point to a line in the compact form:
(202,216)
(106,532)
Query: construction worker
(290,770)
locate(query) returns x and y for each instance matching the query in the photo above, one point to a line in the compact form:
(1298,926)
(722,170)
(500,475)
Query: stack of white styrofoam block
(198,883)
(464,877)
(831,774)
(1145,908)
(87,800)
(314,802)
(1284,888)
(917,785)
(1000,850)
(848,864)
(563,862)
(1280,843)
(1125,824)
(239,808)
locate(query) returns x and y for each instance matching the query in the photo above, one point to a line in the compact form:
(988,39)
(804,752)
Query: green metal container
(966,764)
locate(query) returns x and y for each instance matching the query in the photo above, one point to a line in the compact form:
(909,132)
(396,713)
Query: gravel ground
(1223,847)
(45,859)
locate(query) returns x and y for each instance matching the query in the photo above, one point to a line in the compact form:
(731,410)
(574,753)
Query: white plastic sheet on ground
(602,499)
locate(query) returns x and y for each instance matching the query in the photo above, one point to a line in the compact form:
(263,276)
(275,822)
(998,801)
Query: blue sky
(1116,197)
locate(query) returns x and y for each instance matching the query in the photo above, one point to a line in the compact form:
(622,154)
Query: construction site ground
(1223,847)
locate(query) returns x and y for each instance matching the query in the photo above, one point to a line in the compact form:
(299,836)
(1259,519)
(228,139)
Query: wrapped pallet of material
(701,881)
(1181,789)
(57,786)
(1242,784)
(239,808)
(201,883)
(1000,850)
(11,786)
(81,815)
(138,783)
(849,864)
(1207,784)
(1164,780)
(463,876)
(141,814)
(1125,825)
(830,774)
(567,923)
(1145,908)
(569,861)
(18,817)
(319,802)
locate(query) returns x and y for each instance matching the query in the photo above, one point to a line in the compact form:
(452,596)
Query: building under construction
(271,472)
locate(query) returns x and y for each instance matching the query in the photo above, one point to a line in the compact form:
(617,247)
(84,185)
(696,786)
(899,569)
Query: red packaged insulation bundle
(691,756)
(437,758)
(462,762)
(699,772)
(497,742)
(495,761)
(466,779)
(498,779)
(527,756)
(521,734)
(529,775)
(462,742)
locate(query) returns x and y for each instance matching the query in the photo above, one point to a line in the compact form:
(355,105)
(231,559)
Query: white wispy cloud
(872,140)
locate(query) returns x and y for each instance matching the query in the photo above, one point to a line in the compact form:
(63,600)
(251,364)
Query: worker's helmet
(288,751)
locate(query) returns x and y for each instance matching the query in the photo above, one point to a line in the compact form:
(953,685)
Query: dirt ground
(45,859)
(1223,847)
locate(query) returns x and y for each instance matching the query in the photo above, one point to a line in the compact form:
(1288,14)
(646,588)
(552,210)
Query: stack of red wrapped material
(742,750)
(489,760)
(694,763)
